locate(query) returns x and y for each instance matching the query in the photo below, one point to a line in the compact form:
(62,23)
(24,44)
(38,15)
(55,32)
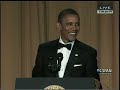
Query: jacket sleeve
(91,65)
(37,70)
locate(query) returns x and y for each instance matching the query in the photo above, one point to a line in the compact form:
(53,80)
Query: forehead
(70,18)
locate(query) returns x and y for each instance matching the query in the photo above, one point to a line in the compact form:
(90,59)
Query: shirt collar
(61,41)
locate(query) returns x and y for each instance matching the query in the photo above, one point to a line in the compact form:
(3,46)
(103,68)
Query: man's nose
(74,27)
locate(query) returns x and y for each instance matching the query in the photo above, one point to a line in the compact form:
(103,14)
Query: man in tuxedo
(76,58)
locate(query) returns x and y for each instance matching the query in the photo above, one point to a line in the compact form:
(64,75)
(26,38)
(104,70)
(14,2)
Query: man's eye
(77,24)
(69,24)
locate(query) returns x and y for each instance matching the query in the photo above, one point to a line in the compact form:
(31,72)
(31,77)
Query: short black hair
(65,12)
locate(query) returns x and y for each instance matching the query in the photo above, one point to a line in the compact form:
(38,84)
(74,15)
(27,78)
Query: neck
(65,41)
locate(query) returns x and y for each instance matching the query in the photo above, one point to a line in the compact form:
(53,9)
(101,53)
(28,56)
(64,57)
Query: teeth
(72,33)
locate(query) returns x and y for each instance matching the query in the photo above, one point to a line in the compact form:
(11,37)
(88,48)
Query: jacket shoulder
(85,46)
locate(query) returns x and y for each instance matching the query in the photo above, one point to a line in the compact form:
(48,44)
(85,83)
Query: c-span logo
(54,87)
(104,71)
(104,7)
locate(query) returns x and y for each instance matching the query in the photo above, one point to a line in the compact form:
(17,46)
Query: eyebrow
(72,22)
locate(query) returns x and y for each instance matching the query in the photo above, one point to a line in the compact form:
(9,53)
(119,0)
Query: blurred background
(26,24)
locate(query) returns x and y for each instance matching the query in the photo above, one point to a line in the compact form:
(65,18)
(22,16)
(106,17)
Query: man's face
(69,27)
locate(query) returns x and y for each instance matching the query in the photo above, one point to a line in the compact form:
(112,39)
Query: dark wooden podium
(66,83)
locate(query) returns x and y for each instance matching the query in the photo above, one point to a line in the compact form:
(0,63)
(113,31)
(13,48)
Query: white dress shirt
(66,55)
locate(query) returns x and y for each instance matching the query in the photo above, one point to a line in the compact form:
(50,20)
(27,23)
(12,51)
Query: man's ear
(58,26)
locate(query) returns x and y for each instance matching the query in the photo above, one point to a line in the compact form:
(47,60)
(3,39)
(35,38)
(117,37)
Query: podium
(55,83)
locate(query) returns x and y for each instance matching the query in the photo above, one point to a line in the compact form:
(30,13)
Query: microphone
(50,60)
(54,64)
(59,59)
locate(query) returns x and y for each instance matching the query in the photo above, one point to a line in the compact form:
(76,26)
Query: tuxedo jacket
(82,61)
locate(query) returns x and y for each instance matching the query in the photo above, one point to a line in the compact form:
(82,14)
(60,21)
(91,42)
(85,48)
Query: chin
(70,40)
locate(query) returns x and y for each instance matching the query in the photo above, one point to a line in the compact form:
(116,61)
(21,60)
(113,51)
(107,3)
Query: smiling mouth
(73,33)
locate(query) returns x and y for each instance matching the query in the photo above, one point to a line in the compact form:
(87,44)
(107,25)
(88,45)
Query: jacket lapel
(53,48)
(52,52)
(74,56)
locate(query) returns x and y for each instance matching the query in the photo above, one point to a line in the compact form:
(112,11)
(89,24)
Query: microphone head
(59,56)
(50,58)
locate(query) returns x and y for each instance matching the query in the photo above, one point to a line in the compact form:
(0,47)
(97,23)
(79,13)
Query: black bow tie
(68,46)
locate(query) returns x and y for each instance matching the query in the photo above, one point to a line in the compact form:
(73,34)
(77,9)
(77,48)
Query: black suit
(86,57)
